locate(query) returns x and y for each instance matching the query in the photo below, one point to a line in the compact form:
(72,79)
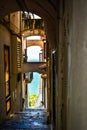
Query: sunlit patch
(12,115)
(34,38)
(33,53)
(36,124)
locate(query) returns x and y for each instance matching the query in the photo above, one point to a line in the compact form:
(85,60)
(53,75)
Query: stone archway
(42,8)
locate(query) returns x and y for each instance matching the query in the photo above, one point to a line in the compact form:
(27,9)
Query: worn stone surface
(29,119)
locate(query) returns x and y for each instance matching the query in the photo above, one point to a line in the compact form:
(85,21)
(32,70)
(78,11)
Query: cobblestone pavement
(29,119)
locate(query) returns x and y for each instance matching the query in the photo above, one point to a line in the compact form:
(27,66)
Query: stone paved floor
(29,119)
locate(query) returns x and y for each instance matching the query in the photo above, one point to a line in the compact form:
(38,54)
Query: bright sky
(34,38)
(33,53)
(35,16)
(33,87)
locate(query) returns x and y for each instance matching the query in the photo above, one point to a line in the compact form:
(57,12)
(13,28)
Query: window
(7,77)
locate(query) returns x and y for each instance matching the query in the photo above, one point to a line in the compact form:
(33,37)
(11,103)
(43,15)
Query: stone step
(28,119)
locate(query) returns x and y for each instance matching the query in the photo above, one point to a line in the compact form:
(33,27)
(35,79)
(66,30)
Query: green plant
(32,100)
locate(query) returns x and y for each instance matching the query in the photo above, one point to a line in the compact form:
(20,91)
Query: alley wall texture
(15,85)
(77,65)
(74,20)
(4,40)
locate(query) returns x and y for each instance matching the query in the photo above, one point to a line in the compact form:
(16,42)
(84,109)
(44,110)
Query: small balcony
(32,24)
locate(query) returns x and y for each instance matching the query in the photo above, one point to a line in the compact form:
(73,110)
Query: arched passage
(43,9)
(49,19)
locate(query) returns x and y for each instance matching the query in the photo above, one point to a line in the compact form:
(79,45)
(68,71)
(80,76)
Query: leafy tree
(32,100)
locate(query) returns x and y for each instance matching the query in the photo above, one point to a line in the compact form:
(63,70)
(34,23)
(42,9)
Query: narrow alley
(43,64)
(29,119)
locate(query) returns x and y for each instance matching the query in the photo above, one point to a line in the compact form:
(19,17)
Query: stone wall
(15,85)
(4,40)
(77,69)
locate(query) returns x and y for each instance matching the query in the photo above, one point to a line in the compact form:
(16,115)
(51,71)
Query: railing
(26,24)
(32,24)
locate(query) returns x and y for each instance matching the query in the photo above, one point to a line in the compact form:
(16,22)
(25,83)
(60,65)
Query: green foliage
(32,100)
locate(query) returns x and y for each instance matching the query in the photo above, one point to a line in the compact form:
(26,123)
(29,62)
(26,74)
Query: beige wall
(4,40)
(15,86)
(4,36)
(15,21)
